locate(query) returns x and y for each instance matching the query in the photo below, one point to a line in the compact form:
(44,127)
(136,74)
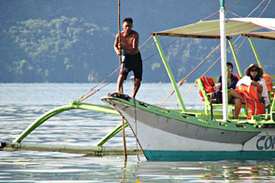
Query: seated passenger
(233,96)
(253,76)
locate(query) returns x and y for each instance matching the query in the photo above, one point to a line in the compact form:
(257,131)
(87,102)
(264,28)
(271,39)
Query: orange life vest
(268,82)
(251,100)
(208,85)
(237,76)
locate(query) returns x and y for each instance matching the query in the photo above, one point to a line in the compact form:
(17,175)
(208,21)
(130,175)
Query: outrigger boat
(186,135)
(170,135)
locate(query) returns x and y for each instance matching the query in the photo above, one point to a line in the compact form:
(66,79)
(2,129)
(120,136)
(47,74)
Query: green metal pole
(111,134)
(169,72)
(235,57)
(255,53)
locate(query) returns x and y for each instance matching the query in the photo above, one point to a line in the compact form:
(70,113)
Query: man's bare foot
(115,94)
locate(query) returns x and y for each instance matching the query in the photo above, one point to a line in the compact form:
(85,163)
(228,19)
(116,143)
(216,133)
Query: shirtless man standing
(131,58)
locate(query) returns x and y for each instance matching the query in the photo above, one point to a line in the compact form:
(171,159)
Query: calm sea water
(21,104)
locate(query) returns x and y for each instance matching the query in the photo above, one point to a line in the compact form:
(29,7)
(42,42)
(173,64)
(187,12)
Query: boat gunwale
(221,125)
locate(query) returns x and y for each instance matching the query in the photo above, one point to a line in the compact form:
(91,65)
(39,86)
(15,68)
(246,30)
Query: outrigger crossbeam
(76,149)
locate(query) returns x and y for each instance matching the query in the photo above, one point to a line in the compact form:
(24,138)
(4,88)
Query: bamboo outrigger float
(75,149)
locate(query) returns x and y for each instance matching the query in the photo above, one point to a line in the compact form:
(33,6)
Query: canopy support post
(235,57)
(223,61)
(255,53)
(170,74)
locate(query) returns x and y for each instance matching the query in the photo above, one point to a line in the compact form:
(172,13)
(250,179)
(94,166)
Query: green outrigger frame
(97,150)
(73,105)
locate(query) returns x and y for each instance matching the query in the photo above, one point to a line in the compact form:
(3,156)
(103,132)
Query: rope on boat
(188,75)
(209,68)
(215,13)
(135,107)
(145,43)
(85,96)
(97,150)
(172,42)
(256,8)
(233,13)
(89,94)
(265,8)
(194,85)
(92,92)
(121,87)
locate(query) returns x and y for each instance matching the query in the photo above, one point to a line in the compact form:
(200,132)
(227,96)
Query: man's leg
(120,83)
(238,101)
(136,87)
(235,94)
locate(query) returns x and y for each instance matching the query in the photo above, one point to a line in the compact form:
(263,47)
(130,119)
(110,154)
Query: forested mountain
(72,41)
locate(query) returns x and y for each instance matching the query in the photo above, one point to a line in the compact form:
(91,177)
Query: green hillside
(72,41)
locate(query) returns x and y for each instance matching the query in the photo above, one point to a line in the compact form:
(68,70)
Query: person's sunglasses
(254,70)
(230,70)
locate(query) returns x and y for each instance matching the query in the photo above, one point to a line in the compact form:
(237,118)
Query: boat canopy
(211,29)
(263,35)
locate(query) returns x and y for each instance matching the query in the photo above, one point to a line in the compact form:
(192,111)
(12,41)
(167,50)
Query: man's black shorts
(132,63)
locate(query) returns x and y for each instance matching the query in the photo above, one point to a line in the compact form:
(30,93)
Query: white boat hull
(169,139)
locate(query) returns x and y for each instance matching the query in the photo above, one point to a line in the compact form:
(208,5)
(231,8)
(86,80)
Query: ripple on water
(19,110)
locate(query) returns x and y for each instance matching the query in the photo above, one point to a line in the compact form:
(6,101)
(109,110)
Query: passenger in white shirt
(253,76)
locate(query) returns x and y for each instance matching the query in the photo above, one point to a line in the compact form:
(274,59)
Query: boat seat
(206,85)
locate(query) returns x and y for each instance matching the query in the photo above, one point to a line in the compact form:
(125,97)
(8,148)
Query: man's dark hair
(229,63)
(128,19)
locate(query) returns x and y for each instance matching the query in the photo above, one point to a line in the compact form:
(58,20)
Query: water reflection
(226,171)
(52,167)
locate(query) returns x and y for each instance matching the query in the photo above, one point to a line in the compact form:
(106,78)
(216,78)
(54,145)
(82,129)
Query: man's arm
(233,83)
(135,42)
(259,87)
(117,47)
(219,83)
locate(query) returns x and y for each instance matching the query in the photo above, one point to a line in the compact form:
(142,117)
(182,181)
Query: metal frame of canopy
(262,35)
(236,26)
